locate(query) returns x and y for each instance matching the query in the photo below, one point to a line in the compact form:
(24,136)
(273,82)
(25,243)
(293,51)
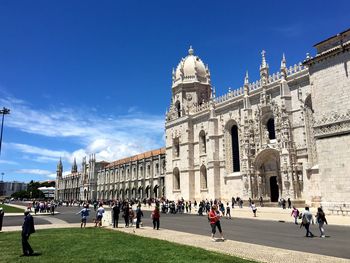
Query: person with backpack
(295,213)
(321,219)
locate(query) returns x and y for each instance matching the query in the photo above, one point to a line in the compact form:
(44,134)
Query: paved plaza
(271,237)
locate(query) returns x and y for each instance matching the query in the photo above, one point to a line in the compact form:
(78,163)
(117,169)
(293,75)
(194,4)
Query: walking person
(261,200)
(307,219)
(295,214)
(139,215)
(253,207)
(289,203)
(27,230)
(99,215)
(52,208)
(214,219)
(155,217)
(116,212)
(321,219)
(228,211)
(84,215)
(126,214)
(2,213)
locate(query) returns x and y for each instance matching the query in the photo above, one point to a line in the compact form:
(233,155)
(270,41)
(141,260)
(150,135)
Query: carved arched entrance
(267,180)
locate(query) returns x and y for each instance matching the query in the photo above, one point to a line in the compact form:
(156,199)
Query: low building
(140,176)
(8,188)
(49,192)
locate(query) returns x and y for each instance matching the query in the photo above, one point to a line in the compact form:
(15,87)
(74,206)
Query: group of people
(307,219)
(43,207)
(85,212)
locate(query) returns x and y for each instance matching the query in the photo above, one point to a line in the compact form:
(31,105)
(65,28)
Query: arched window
(176,179)
(235,148)
(203,178)
(270,125)
(176,147)
(141,172)
(202,142)
(310,140)
(148,170)
(178,108)
(134,173)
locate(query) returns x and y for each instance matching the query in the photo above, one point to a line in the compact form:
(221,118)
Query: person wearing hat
(27,230)
(1,217)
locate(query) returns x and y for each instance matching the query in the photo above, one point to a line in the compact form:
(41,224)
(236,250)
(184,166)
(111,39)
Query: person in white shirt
(99,215)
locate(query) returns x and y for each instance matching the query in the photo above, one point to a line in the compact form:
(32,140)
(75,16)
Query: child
(252,205)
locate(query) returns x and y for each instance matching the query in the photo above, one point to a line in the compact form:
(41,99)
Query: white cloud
(53,175)
(40,152)
(110,138)
(33,171)
(8,162)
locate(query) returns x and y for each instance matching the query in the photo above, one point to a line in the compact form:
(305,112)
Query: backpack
(298,213)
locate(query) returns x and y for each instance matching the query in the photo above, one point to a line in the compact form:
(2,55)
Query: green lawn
(102,245)
(11,209)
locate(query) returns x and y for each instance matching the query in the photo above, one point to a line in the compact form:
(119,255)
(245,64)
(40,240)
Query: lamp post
(4,111)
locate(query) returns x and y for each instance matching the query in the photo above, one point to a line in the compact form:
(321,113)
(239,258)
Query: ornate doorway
(266,182)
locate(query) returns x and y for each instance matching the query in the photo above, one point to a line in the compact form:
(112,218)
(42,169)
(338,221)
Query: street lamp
(4,111)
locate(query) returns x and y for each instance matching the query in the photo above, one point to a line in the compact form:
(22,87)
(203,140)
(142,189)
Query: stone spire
(59,170)
(263,62)
(74,166)
(283,67)
(246,79)
(173,75)
(246,100)
(264,69)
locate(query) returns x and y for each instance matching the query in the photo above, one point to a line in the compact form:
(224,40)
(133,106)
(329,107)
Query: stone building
(285,135)
(78,185)
(140,176)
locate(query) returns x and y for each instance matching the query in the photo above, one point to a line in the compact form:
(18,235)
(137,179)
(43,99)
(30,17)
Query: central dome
(191,69)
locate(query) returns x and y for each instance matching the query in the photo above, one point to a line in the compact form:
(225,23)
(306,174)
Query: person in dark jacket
(126,214)
(27,230)
(155,218)
(116,212)
(139,214)
(1,217)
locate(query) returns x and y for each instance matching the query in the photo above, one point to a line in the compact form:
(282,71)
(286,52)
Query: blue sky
(85,77)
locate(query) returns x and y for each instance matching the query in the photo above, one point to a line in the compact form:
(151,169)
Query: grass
(102,245)
(11,209)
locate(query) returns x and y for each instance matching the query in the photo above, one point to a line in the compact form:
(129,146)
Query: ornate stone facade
(77,185)
(140,176)
(265,139)
(286,135)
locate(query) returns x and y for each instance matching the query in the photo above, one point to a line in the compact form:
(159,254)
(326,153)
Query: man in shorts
(84,215)
(214,219)
(99,215)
